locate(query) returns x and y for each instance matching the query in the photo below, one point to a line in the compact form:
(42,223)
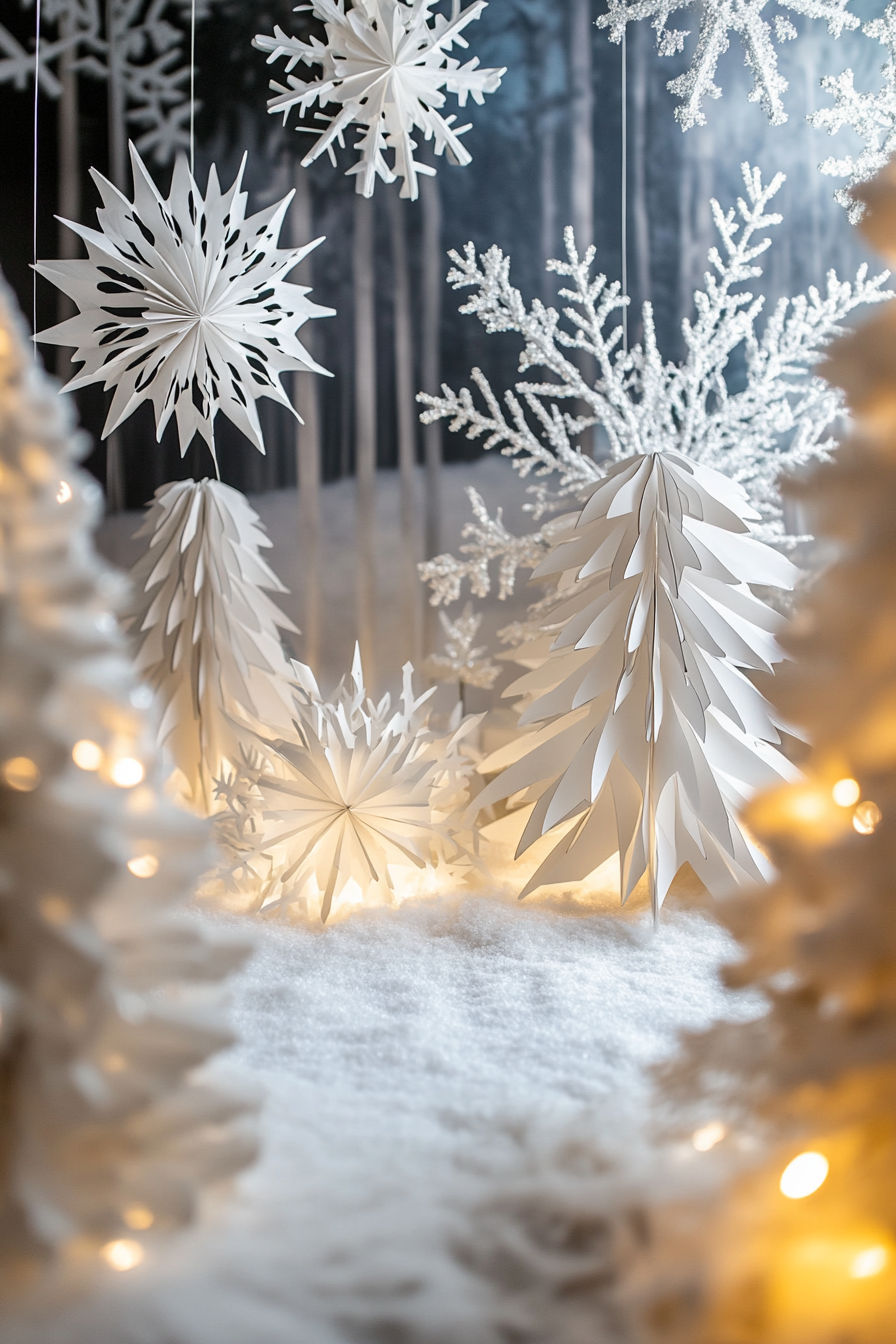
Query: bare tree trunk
(307,439)
(411,593)
(548,176)
(433,278)
(363,256)
(582,113)
(640,213)
(69,181)
(115,488)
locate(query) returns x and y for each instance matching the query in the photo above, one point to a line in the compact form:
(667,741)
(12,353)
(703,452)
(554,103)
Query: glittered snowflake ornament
(184,303)
(384,66)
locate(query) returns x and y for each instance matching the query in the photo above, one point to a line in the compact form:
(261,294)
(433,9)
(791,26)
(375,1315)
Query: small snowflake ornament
(385,65)
(184,303)
(461,662)
(719,18)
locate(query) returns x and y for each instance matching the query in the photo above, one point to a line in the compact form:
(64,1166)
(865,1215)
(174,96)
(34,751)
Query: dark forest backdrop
(517,193)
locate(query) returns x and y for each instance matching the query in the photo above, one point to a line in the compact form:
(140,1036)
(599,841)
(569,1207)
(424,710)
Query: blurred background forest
(546,152)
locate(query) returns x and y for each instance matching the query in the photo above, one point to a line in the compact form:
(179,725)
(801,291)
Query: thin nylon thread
(192,83)
(34,196)
(624,191)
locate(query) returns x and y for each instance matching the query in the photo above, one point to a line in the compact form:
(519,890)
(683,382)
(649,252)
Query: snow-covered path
(445,1084)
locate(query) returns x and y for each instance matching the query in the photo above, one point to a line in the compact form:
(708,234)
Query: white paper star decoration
(184,303)
(385,66)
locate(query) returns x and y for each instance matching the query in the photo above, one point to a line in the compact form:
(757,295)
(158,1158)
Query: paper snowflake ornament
(207,633)
(184,303)
(354,791)
(462,662)
(650,733)
(871,115)
(385,66)
(719,18)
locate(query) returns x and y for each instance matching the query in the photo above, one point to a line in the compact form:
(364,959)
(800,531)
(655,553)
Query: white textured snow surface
(453,1090)
(456,1090)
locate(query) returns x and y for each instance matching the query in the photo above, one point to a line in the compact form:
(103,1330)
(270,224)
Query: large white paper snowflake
(354,791)
(184,303)
(385,66)
(871,115)
(719,18)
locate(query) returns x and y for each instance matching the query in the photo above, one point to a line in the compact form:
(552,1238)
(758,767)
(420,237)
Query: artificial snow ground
(455,1091)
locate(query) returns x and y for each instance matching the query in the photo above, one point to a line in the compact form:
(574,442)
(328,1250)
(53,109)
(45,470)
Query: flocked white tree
(110,994)
(353,792)
(386,66)
(207,634)
(718,18)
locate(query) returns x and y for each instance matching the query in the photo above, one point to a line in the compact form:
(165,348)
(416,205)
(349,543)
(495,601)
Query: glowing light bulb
(138,1217)
(87,755)
(122,1255)
(20,773)
(866,818)
(804,1175)
(869,1262)
(846,792)
(126,772)
(707,1137)
(145,865)
(64,493)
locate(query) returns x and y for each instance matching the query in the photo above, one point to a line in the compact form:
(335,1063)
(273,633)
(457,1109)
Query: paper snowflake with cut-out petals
(385,65)
(184,303)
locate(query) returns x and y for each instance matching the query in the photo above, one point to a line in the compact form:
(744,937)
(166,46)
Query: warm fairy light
(804,1175)
(707,1137)
(145,865)
(64,493)
(869,1262)
(122,1255)
(114,1063)
(126,772)
(55,909)
(866,817)
(846,792)
(138,1217)
(87,755)
(20,773)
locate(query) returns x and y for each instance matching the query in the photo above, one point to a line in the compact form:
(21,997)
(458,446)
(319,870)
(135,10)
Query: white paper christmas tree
(207,634)
(110,1000)
(184,303)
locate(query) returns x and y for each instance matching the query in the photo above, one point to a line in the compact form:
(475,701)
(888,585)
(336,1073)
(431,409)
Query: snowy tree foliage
(385,65)
(206,632)
(146,50)
(184,303)
(462,662)
(719,18)
(109,991)
(774,415)
(871,115)
(352,791)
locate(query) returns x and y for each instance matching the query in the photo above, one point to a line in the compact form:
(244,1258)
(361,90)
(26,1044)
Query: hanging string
(192,83)
(624,191)
(34,198)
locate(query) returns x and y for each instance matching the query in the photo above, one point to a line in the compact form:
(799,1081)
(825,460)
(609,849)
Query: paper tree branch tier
(184,303)
(354,791)
(207,633)
(385,66)
(108,990)
(645,727)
